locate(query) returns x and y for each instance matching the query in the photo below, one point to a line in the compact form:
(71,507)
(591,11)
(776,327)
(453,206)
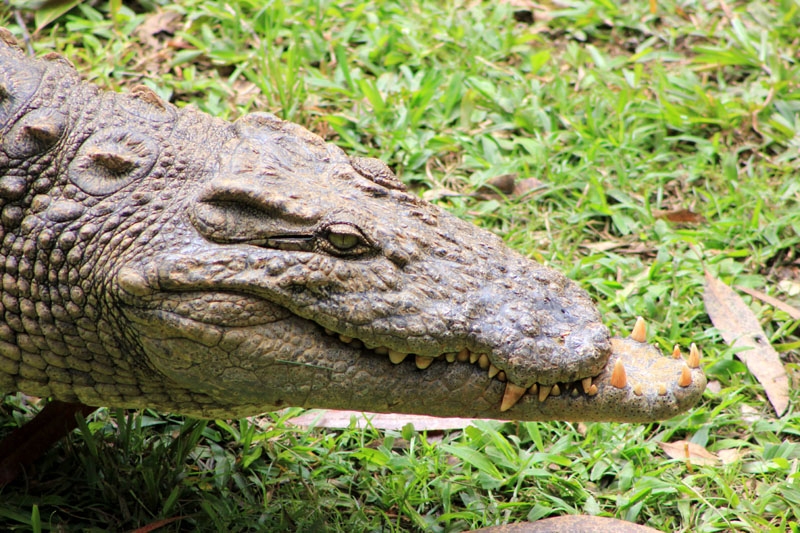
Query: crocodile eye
(345,239)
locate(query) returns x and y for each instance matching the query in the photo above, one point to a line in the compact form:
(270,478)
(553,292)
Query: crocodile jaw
(270,358)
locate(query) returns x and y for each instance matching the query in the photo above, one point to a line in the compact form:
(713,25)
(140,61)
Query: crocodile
(156,256)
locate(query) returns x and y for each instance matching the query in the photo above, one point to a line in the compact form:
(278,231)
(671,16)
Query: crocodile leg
(27,443)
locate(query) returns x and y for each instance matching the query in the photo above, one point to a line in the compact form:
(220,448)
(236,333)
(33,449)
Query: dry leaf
(740,329)
(731,455)
(496,187)
(792,288)
(523,187)
(774,302)
(604,246)
(341,419)
(158,24)
(506,185)
(689,451)
(244,91)
(750,415)
(681,216)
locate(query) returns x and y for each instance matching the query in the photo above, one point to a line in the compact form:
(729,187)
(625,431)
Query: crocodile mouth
(646,367)
(633,375)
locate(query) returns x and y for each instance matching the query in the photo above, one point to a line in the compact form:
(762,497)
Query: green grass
(621,113)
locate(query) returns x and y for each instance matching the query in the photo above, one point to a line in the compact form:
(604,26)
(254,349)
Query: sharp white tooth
(637,390)
(618,377)
(662,390)
(473,357)
(586,383)
(534,389)
(639,333)
(345,339)
(555,391)
(450,357)
(544,392)
(483,361)
(493,371)
(686,377)
(381,350)
(694,356)
(511,396)
(463,356)
(423,362)
(592,390)
(676,352)
(397,357)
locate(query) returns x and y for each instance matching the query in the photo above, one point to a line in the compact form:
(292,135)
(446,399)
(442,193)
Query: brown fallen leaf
(506,185)
(503,184)
(158,25)
(341,419)
(731,455)
(774,302)
(523,187)
(740,329)
(682,216)
(689,451)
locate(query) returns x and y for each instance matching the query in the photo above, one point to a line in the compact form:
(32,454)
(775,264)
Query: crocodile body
(156,256)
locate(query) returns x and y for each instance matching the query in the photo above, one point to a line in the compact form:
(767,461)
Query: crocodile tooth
(637,390)
(423,362)
(450,357)
(676,352)
(473,357)
(493,370)
(501,376)
(694,357)
(555,391)
(483,361)
(686,377)
(639,333)
(534,389)
(397,357)
(618,377)
(511,396)
(381,350)
(592,390)
(574,392)
(463,356)
(662,390)
(586,383)
(345,339)
(544,392)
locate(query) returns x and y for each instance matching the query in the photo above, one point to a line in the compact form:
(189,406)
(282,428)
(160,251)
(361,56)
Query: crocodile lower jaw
(643,376)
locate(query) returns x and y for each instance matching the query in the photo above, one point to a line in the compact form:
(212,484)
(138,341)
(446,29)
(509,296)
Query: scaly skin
(160,257)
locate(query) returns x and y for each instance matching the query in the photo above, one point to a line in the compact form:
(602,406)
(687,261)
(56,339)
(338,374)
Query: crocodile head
(228,269)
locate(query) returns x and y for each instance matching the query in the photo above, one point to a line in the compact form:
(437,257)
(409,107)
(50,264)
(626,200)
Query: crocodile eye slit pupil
(343,241)
(344,238)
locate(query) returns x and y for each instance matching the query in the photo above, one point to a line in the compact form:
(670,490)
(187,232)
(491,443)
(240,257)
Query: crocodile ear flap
(112,158)
(376,170)
(35,133)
